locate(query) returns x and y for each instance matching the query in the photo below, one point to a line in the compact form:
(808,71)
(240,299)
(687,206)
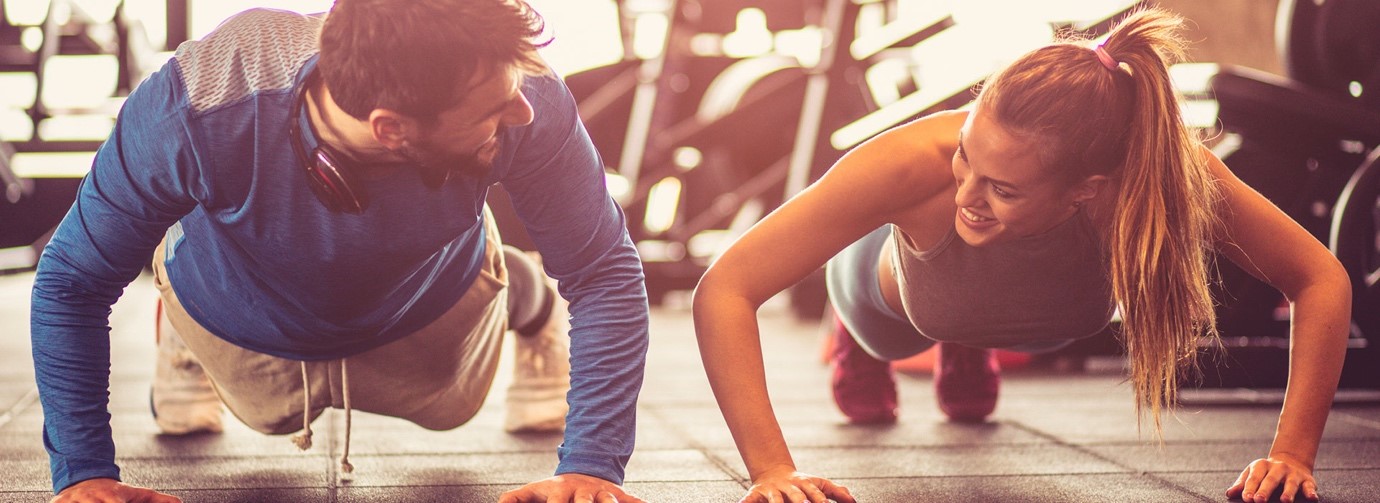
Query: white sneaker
(182,399)
(541,375)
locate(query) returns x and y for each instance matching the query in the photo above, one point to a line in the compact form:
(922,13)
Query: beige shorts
(437,377)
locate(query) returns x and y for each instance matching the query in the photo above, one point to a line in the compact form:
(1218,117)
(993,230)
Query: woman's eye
(1000,193)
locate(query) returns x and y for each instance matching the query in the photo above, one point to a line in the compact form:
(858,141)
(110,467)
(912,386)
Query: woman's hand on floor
(570,487)
(1263,477)
(796,487)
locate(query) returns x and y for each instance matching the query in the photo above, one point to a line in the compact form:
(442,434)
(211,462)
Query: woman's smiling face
(1004,192)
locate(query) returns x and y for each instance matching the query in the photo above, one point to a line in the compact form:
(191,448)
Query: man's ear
(1089,188)
(390,128)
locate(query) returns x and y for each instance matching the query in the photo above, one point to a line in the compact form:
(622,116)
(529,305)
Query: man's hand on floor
(110,491)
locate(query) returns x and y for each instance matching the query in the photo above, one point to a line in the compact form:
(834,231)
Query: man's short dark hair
(413,56)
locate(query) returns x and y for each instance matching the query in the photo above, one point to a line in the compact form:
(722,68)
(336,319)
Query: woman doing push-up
(1071,189)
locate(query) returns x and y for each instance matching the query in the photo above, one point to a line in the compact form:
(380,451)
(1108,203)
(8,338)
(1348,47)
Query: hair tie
(1105,58)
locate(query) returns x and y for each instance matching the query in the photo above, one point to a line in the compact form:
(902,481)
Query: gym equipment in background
(1355,239)
(1302,141)
(48,138)
(729,107)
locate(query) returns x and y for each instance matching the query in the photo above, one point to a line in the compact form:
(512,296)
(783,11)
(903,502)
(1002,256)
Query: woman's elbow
(1339,282)
(709,288)
(718,288)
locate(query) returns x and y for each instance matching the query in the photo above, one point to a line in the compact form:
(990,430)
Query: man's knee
(450,422)
(277,424)
(529,297)
(448,418)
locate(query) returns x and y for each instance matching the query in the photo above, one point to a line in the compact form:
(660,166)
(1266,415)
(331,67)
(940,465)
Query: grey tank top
(1052,286)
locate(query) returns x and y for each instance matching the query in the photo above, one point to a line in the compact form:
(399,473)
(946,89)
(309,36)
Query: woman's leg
(851,277)
(866,332)
(967,380)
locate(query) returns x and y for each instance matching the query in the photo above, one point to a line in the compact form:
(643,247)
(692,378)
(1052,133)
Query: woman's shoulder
(915,157)
(922,147)
(935,133)
(903,175)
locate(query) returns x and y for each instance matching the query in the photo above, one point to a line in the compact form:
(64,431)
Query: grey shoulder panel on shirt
(255,50)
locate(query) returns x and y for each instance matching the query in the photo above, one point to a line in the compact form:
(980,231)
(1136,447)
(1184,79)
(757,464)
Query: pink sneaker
(966,381)
(864,387)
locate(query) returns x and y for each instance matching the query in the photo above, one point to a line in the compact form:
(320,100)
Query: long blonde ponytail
(1121,119)
(1161,242)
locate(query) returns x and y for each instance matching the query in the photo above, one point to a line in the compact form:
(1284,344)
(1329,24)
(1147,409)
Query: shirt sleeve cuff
(605,466)
(62,479)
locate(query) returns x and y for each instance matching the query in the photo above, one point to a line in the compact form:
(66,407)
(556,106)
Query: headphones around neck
(329,178)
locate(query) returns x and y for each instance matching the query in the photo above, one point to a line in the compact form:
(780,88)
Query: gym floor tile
(1018,488)
(1176,457)
(1335,486)
(974,460)
(1054,436)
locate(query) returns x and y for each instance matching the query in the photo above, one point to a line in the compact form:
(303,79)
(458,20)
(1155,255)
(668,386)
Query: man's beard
(436,166)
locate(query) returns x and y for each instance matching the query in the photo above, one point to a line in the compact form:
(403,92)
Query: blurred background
(709,113)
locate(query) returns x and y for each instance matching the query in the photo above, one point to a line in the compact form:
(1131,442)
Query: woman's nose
(967,195)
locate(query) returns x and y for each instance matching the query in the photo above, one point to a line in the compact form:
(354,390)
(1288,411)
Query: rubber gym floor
(1056,436)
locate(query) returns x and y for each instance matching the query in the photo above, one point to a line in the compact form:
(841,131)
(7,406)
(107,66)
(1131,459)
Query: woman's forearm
(1321,317)
(731,349)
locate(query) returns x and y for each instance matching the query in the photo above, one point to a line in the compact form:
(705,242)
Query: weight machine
(1308,141)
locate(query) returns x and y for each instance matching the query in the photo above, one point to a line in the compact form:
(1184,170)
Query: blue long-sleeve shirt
(203,144)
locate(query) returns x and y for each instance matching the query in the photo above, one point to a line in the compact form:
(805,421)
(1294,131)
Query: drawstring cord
(345,465)
(303,440)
